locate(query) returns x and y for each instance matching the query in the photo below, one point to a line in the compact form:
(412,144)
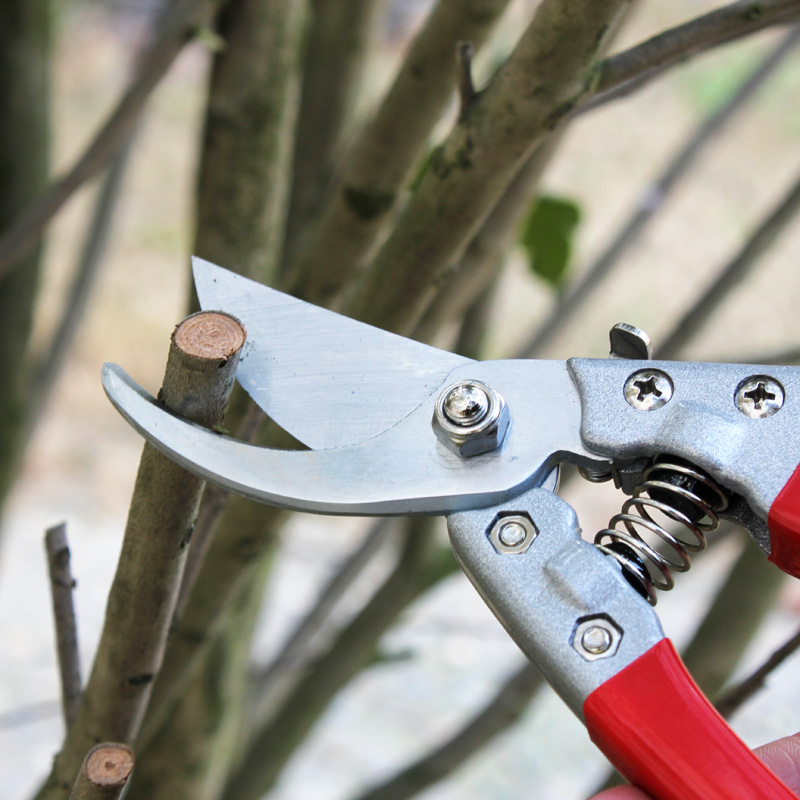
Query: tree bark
(24,159)
(200,371)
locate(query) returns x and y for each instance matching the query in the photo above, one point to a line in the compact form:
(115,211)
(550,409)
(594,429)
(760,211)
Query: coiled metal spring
(681,493)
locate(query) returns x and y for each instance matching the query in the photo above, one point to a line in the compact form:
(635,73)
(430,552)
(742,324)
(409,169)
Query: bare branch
(104,773)
(466,88)
(654,196)
(272,745)
(61,584)
(384,153)
(501,712)
(702,33)
(48,369)
(554,62)
(296,653)
(733,274)
(183,18)
(248,137)
(733,699)
(202,360)
(337,55)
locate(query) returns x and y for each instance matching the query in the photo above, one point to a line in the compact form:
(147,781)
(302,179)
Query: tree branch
(702,33)
(502,711)
(248,137)
(182,19)
(203,355)
(290,664)
(733,699)
(335,62)
(733,274)
(271,746)
(550,71)
(104,773)
(654,197)
(61,585)
(384,153)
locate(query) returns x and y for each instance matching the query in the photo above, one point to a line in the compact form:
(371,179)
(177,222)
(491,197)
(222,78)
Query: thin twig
(733,699)
(702,33)
(104,772)
(46,372)
(733,274)
(296,651)
(182,19)
(653,198)
(502,711)
(466,88)
(61,585)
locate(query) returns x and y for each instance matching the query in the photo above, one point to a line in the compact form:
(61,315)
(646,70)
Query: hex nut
(512,533)
(596,637)
(485,433)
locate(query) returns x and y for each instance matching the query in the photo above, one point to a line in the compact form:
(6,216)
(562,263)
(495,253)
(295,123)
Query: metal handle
(658,729)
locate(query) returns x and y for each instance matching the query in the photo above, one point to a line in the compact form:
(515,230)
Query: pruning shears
(395,427)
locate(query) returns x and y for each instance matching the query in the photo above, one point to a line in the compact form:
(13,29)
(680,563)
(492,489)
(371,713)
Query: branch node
(466,87)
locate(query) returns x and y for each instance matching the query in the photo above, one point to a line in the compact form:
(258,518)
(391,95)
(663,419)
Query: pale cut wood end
(210,334)
(109,764)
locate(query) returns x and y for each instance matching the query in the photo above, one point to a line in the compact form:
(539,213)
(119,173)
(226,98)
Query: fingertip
(783,758)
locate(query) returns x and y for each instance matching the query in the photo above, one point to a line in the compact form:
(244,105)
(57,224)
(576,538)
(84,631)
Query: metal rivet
(512,533)
(466,403)
(648,389)
(596,637)
(596,640)
(470,418)
(759,396)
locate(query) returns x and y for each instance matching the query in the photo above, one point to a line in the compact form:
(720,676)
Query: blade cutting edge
(328,380)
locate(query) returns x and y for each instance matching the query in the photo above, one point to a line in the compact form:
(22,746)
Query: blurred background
(446,655)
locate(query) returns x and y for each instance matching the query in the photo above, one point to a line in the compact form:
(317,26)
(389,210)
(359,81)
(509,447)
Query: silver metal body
(397,427)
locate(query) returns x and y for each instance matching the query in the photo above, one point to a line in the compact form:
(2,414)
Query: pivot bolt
(470,418)
(512,533)
(648,389)
(759,396)
(596,637)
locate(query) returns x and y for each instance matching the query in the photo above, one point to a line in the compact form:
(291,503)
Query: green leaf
(547,235)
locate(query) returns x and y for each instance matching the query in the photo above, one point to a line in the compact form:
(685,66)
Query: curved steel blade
(405,470)
(328,380)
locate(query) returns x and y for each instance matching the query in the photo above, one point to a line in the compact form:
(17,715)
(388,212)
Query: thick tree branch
(336,58)
(248,137)
(202,360)
(383,155)
(550,71)
(104,773)
(61,585)
(182,20)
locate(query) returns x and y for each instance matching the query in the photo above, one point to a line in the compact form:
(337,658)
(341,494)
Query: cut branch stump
(200,372)
(104,773)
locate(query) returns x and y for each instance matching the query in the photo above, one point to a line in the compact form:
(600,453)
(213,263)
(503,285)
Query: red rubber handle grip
(657,728)
(784,527)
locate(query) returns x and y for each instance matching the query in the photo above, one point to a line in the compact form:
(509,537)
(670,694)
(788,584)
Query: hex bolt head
(512,533)
(759,396)
(470,418)
(596,637)
(648,389)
